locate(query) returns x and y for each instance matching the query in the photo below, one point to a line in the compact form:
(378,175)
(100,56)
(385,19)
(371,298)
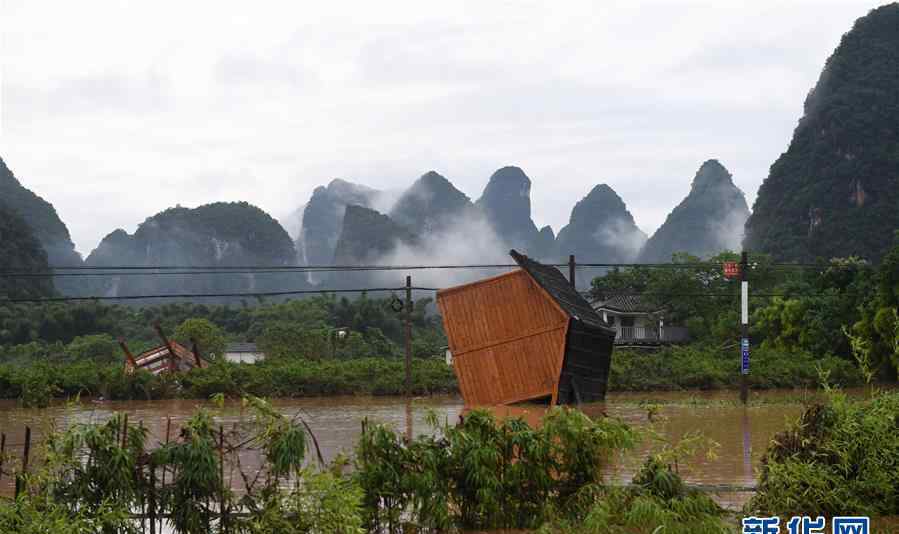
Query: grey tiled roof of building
(627,304)
(242,347)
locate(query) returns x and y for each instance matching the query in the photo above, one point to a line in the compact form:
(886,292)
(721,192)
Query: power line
(278,268)
(186,270)
(211,295)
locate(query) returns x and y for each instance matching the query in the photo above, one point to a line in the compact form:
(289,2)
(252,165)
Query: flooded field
(742,433)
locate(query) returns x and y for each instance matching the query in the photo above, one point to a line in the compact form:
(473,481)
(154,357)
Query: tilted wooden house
(526,335)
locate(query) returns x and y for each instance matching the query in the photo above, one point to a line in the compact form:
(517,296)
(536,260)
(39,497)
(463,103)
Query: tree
(208,336)
(99,348)
(287,340)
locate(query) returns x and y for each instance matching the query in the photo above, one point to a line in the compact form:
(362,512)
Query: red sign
(731,269)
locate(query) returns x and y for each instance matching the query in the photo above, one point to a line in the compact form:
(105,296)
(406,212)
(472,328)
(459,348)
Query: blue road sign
(744,349)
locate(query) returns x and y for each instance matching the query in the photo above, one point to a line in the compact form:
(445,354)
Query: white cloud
(114,111)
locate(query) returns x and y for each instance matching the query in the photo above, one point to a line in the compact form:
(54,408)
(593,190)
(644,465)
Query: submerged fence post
(2,453)
(139,473)
(168,432)
(223,514)
(20,478)
(151,501)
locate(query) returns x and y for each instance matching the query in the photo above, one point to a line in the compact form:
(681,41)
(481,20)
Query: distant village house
(243,353)
(638,322)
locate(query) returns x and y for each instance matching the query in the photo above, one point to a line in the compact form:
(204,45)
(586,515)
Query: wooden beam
(128,356)
(168,345)
(195,348)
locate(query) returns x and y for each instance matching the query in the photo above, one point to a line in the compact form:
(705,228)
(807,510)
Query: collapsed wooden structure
(170,357)
(526,335)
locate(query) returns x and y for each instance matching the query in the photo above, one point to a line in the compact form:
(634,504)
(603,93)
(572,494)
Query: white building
(243,353)
(638,322)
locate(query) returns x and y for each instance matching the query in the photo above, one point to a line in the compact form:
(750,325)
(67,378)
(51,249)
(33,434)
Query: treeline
(315,346)
(307,328)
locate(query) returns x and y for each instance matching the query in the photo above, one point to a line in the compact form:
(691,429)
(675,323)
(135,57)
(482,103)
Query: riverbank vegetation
(676,368)
(700,366)
(838,318)
(37,385)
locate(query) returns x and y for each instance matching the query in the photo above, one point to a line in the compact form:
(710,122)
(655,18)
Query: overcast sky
(114,111)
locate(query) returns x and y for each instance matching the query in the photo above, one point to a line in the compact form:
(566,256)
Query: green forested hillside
(231,234)
(40,215)
(835,191)
(20,250)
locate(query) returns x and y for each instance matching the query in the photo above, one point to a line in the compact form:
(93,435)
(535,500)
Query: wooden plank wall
(506,336)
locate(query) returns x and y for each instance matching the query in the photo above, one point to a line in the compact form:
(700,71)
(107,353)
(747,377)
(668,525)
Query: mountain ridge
(707,221)
(834,191)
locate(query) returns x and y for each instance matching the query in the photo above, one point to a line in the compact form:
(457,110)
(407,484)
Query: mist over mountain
(367,235)
(710,219)
(223,234)
(431,204)
(434,222)
(41,217)
(601,229)
(323,218)
(835,191)
(20,250)
(506,202)
(366,238)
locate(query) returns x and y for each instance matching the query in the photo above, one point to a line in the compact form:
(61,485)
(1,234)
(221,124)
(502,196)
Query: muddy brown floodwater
(742,433)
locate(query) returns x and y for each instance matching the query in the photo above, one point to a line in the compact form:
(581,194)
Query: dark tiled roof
(241,347)
(627,304)
(551,280)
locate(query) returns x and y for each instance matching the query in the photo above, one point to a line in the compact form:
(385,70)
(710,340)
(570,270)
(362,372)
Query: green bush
(840,458)
(700,366)
(658,501)
(483,473)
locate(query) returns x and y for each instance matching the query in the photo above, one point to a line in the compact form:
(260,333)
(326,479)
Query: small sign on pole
(744,349)
(731,269)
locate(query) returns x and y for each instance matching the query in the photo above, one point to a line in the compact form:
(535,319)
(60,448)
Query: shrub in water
(840,458)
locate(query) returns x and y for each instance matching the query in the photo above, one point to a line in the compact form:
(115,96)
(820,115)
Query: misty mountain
(223,234)
(323,218)
(710,219)
(506,202)
(367,235)
(41,216)
(20,250)
(601,229)
(835,191)
(431,204)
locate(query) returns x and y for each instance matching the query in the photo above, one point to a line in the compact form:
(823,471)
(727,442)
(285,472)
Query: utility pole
(408,308)
(571,268)
(744,327)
